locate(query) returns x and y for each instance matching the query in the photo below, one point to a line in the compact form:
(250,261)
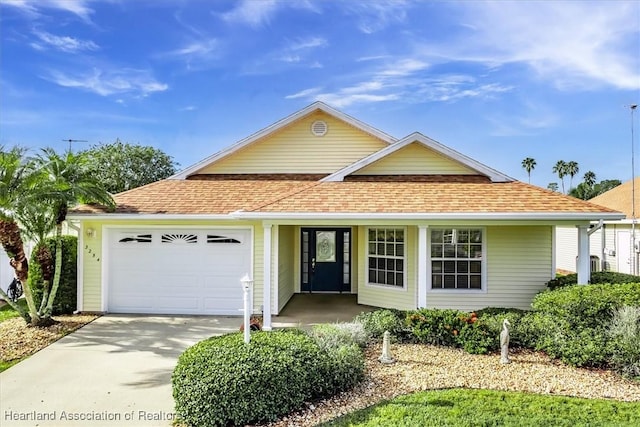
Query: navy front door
(326,259)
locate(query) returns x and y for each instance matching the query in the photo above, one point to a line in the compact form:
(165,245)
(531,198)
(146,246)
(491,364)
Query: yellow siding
(295,150)
(415,159)
(92,268)
(286,261)
(388,297)
(519,264)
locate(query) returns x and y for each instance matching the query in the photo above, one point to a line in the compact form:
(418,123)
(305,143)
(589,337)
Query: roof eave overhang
(485,216)
(154,216)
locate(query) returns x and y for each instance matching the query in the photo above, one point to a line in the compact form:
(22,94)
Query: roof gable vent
(319,128)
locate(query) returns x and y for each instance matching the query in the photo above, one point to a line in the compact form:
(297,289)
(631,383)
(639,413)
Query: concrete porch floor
(306,310)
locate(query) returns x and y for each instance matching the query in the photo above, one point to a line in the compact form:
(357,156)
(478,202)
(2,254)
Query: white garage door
(177,271)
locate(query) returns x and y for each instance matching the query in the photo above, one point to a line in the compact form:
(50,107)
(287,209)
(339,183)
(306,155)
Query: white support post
(584,259)
(422,265)
(266,300)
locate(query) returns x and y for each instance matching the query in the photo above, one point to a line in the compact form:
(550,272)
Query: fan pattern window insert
(136,238)
(179,238)
(212,238)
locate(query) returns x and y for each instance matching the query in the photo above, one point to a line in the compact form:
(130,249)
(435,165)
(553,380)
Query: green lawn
(6,312)
(460,407)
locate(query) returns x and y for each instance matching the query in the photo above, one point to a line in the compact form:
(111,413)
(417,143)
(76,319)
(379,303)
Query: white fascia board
(493,174)
(103,217)
(316,106)
(495,216)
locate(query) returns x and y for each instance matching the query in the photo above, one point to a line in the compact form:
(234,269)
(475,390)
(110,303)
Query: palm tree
(561,169)
(65,181)
(590,178)
(572,170)
(17,180)
(529,164)
(35,194)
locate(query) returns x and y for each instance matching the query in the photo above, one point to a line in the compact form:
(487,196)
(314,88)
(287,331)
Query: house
(322,202)
(612,247)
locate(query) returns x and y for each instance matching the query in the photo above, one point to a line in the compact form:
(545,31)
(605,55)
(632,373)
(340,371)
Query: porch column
(584,261)
(423,267)
(266,291)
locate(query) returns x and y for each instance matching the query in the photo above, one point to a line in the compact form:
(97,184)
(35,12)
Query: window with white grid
(457,260)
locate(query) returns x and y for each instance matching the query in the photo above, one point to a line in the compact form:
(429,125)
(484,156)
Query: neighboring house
(321,202)
(612,245)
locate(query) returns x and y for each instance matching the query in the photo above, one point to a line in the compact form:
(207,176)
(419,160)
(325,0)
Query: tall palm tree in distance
(572,170)
(590,178)
(561,169)
(529,164)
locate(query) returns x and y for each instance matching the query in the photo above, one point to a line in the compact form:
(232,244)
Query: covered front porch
(306,310)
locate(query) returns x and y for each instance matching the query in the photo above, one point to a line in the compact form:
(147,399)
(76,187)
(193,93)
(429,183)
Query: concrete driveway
(115,371)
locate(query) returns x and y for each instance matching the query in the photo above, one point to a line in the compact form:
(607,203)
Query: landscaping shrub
(342,342)
(66,297)
(571,323)
(625,332)
(597,277)
(333,335)
(521,332)
(377,322)
(223,381)
(477,338)
(436,326)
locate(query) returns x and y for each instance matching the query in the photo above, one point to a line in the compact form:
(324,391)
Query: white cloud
(79,8)
(374,16)
(339,100)
(252,12)
(197,54)
(63,43)
(106,83)
(304,93)
(573,44)
(405,80)
(310,43)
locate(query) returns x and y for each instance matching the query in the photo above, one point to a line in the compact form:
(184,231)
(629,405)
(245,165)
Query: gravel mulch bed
(17,340)
(423,367)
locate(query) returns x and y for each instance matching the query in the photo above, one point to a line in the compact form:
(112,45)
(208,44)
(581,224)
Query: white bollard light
(247,284)
(386,357)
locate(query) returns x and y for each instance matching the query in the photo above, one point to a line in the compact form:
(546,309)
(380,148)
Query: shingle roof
(302,194)
(428,197)
(619,198)
(200,196)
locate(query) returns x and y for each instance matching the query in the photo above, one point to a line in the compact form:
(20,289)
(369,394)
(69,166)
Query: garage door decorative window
(136,238)
(179,238)
(211,238)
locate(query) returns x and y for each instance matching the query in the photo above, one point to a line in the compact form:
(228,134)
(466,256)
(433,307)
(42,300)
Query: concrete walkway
(115,371)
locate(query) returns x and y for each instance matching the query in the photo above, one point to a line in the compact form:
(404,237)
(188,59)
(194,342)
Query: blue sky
(497,81)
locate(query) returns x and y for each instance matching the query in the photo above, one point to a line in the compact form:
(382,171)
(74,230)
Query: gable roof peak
(309,109)
(417,137)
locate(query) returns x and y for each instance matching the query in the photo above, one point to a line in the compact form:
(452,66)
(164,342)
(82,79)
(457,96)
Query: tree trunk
(57,273)
(11,241)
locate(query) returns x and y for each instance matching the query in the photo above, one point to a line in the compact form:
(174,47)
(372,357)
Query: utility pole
(74,140)
(634,252)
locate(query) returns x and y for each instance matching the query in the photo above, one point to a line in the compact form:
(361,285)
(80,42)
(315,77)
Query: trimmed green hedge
(67,296)
(223,381)
(572,323)
(597,277)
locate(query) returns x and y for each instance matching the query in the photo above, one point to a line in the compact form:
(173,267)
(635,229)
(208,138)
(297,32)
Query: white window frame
(404,259)
(483,262)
